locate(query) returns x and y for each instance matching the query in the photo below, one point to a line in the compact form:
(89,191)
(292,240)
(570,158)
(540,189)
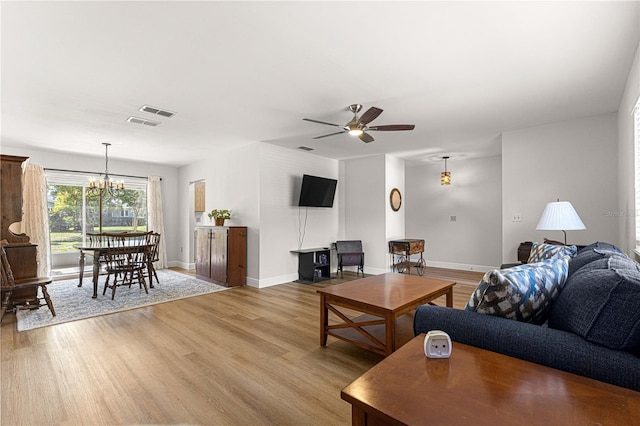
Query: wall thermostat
(437,344)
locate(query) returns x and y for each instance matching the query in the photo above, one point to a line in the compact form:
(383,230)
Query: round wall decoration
(395,198)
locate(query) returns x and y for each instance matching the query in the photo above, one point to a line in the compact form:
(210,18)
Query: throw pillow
(601,306)
(523,293)
(540,252)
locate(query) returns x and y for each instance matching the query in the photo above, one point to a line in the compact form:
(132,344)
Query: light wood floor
(244,356)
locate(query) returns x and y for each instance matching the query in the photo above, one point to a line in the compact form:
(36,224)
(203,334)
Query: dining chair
(125,263)
(8,285)
(152,256)
(96,240)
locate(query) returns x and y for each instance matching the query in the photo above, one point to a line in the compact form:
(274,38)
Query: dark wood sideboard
(221,254)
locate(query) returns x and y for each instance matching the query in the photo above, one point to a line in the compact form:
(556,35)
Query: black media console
(313,265)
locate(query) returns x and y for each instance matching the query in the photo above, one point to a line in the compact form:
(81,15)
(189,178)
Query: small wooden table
(383,299)
(478,387)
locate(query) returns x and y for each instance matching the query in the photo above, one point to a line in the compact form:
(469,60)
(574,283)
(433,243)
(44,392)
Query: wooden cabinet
(21,254)
(221,254)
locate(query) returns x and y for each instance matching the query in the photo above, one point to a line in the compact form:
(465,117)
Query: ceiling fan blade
(370,115)
(391,127)
(321,122)
(330,134)
(366,138)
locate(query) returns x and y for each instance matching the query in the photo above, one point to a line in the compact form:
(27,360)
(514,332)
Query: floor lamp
(560,216)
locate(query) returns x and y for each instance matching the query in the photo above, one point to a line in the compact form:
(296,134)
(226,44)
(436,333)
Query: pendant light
(445,177)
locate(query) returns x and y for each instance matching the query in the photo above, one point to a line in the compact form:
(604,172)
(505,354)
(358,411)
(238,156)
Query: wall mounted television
(317,191)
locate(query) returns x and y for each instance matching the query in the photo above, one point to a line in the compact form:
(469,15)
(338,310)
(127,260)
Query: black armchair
(350,254)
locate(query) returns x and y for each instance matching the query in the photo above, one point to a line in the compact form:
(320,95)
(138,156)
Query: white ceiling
(241,72)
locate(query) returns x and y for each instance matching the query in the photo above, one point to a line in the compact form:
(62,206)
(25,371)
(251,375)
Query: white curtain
(35,219)
(155,221)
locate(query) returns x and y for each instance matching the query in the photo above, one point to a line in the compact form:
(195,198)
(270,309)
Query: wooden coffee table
(382,299)
(478,387)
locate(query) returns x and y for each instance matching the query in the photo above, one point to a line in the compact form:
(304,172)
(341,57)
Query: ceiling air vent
(157,111)
(305,148)
(138,120)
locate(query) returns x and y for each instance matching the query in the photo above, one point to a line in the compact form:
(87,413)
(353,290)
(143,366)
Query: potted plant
(219,216)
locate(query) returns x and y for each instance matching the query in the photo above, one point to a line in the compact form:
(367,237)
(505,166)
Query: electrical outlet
(517,217)
(453,218)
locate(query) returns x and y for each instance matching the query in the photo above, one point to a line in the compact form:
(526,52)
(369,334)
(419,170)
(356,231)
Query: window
(73,211)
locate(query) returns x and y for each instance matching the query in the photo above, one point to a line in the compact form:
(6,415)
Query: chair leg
(47,299)
(106,284)
(142,281)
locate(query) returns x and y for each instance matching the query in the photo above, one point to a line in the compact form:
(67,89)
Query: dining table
(99,250)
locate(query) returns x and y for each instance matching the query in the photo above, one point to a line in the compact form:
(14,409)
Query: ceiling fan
(359,126)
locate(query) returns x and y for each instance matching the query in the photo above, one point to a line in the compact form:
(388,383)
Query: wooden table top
(390,291)
(480,387)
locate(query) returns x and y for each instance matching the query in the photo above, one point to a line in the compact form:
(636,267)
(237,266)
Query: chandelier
(106,184)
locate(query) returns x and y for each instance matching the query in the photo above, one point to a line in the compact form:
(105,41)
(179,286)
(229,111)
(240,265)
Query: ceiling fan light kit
(359,126)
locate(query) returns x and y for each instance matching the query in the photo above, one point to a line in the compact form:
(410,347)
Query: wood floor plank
(241,356)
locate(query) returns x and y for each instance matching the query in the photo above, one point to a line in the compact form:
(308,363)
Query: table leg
(96,273)
(81,266)
(324,320)
(450,298)
(390,334)
(358,416)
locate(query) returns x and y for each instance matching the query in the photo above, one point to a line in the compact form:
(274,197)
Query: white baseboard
(179,264)
(461,266)
(268,282)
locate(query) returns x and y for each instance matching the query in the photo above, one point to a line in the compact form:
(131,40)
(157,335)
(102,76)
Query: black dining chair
(152,257)
(126,262)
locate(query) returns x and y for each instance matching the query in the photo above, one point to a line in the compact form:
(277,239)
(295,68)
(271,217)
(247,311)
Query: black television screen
(317,191)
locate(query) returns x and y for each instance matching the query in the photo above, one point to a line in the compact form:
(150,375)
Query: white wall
(364,209)
(627,215)
(574,161)
(232,182)
(283,225)
(260,184)
(168,174)
(394,178)
(474,240)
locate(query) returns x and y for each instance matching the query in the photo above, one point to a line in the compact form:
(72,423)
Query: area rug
(74,303)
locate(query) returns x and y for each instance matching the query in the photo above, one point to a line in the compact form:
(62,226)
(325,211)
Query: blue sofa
(592,327)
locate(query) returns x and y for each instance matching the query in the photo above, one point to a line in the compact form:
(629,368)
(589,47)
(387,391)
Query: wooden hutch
(21,254)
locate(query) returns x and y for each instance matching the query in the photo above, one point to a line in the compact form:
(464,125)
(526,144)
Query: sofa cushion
(540,252)
(601,305)
(612,261)
(590,253)
(522,293)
